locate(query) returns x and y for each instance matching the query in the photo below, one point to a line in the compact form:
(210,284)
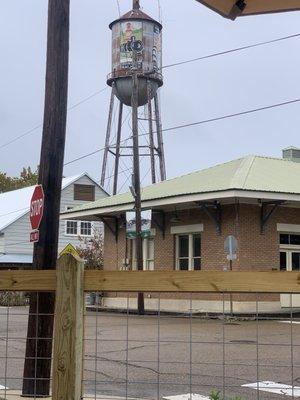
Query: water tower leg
(107,139)
(151,140)
(161,152)
(117,160)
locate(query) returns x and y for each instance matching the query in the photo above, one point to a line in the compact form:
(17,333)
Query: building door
(290,261)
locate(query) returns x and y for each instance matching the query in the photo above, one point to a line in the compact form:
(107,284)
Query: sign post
(230,247)
(36,212)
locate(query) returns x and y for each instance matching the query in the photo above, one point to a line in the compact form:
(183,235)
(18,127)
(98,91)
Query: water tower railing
(123,73)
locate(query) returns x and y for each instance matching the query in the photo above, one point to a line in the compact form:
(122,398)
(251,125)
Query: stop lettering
(37,207)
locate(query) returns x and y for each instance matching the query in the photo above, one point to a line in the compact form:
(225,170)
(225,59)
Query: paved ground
(142,368)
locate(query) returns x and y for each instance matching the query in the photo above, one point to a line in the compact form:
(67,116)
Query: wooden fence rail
(70,281)
(159,281)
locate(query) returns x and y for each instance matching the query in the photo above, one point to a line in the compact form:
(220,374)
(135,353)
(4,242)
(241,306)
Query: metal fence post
(68,329)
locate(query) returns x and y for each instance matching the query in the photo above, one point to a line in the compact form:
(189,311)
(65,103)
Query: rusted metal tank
(136,32)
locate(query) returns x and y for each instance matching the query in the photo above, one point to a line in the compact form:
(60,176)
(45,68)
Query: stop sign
(37,207)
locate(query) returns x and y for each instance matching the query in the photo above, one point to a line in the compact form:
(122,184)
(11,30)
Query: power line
(205,121)
(15,211)
(232,50)
(123,171)
(87,98)
(254,110)
(26,133)
(21,136)
(98,150)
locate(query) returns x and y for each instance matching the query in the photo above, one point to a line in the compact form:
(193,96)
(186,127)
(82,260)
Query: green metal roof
(252,173)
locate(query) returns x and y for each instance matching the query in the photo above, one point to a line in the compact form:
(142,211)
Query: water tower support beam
(107,139)
(151,140)
(160,142)
(117,161)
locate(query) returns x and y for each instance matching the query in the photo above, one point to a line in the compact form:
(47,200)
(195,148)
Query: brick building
(255,198)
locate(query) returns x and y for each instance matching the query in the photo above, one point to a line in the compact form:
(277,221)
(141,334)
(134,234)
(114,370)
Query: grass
(216,396)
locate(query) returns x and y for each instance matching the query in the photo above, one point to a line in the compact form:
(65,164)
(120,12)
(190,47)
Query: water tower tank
(139,33)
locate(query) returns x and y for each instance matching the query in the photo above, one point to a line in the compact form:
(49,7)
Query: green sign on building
(131,225)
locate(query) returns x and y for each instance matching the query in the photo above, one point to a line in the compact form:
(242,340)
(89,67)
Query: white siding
(2,241)
(16,236)
(68,201)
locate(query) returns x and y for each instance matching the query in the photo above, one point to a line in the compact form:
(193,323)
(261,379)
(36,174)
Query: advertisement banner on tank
(131,39)
(131,226)
(157,49)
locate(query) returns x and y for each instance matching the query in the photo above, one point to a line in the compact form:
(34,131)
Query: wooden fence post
(68,330)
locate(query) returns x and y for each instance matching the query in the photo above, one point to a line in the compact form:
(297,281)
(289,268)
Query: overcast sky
(192,92)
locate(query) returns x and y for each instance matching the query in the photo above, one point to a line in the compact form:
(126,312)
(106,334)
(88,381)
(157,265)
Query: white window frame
(291,229)
(146,259)
(288,248)
(91,228)
(66,228)
(185,229)
(78,234)
(191,250)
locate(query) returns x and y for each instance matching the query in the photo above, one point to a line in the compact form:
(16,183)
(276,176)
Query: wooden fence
(70,281)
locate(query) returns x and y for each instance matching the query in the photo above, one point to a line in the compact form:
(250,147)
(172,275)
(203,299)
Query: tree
(91,250)
(27,178)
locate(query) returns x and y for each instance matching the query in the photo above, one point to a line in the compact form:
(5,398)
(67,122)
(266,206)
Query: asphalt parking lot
(149,357)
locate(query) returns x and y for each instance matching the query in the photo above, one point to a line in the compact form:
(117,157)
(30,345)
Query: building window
(188,252)
(290,239)
(71,228)
(289,252)
(78,228)
(148,254)
(86,228)
(84,192)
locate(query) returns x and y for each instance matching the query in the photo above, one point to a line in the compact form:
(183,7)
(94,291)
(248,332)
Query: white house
(15,247)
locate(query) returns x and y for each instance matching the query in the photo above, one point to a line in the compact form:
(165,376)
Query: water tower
(136,54)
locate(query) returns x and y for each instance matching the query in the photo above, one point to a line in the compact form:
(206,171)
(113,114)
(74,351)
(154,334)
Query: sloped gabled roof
(15,204)
(251,173)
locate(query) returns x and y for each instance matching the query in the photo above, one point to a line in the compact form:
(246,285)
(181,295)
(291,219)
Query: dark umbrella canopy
(236,8)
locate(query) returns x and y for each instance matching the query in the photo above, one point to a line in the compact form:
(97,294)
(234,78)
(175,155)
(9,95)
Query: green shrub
(216,396)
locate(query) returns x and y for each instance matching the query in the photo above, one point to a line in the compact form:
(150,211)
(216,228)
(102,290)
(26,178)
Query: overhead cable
(164,67)
(205,121)
(222,53)
(26,133)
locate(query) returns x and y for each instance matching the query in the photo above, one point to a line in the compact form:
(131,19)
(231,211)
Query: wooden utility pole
(136,176)
(37,367)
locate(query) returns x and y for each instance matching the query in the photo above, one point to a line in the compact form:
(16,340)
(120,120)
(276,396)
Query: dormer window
(84,192)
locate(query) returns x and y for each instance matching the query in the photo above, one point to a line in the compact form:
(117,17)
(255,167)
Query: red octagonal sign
(37,207)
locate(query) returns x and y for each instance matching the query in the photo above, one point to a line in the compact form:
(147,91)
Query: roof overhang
(222,196)
(14,259)
(235,8)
